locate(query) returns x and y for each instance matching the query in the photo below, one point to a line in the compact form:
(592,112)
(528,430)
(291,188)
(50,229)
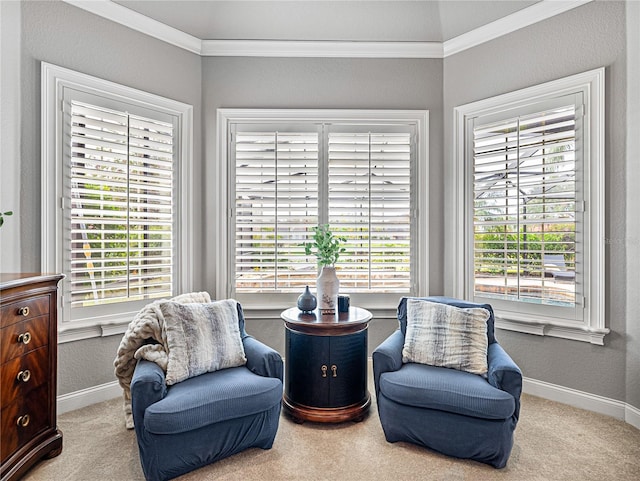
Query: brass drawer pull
(25,338)
(23,311)
(23,420)
(24,376)
(334,368)
(323,368)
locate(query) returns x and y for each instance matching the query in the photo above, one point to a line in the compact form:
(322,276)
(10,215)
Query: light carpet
(552,442)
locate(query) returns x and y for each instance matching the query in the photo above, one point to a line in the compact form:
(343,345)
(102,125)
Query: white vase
(327,287)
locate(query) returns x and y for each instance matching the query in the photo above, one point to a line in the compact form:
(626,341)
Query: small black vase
(307,302)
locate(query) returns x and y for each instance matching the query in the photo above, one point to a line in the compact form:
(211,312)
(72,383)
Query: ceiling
(327,20)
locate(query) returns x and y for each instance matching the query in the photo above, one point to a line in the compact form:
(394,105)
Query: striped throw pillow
(446,336)
(201,338)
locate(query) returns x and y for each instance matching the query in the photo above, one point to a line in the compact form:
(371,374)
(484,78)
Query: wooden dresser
(28,366)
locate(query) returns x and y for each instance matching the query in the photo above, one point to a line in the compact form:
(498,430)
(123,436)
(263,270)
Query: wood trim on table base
(300,413)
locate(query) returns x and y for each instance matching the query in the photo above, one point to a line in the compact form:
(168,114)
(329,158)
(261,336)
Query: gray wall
(67,36)
(633,223)
(10,29)
(584,38)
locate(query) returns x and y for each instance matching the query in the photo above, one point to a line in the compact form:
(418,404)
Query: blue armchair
(203,419)
(453,412)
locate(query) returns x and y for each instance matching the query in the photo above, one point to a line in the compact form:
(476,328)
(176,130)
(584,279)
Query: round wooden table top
(314,322)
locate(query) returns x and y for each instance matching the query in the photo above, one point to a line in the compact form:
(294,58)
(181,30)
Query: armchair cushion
(446,336)
(201,338)
(211,398)
(447,390)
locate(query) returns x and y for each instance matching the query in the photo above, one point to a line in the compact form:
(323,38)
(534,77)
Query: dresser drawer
(23,374)
(23,419)
(23,310)
(28,371)
(23,337)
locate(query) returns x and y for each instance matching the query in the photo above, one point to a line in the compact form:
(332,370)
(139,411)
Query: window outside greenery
(525,208)
(121,206)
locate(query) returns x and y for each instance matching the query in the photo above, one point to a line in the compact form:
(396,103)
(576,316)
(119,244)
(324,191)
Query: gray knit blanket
(146,338)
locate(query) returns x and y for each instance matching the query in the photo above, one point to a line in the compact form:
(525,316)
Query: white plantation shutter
(526,208)
(122,209)
(276,200)
(528,193)
(370,205)
(288,180)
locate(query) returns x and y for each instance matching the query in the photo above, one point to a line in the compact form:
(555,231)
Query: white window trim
(54,80)
(592,83)
(226,116)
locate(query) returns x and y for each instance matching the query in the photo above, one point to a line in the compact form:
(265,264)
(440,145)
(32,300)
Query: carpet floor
(552,442)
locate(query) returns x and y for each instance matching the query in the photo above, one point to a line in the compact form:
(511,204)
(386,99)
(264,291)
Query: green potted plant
(327,248)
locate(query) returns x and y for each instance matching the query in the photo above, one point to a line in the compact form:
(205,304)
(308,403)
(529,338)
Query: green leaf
(325,246)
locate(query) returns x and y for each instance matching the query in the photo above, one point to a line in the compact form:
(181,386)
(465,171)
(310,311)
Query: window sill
(267,313)
(552,329)
(79,330)
(269,306)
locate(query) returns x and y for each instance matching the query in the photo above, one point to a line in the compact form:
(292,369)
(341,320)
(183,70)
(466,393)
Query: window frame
(55,81)
(590,84)
(269,304)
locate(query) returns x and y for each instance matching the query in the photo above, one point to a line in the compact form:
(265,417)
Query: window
(525,207)
(276,198)
(533,210)
(286,177)
(113,170)
(122,207)
(370,205)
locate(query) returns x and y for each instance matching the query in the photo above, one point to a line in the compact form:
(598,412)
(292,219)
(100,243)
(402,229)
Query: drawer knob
(334,369)
(323,368)
(23,420)
(24,376)
(25,338)
(23,311)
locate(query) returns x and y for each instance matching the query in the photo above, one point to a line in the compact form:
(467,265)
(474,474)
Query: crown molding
(277,48)
(136,21)
(503,26)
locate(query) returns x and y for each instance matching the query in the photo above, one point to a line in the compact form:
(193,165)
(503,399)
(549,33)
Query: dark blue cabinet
(326,365)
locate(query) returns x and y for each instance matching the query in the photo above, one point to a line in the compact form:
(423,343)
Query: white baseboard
(578,399)
(632,415)
(583,400)
(87,397)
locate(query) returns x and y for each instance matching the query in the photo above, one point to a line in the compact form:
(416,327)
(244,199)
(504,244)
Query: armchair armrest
(147,387)
(504,373)
(261,359)
(388,356)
